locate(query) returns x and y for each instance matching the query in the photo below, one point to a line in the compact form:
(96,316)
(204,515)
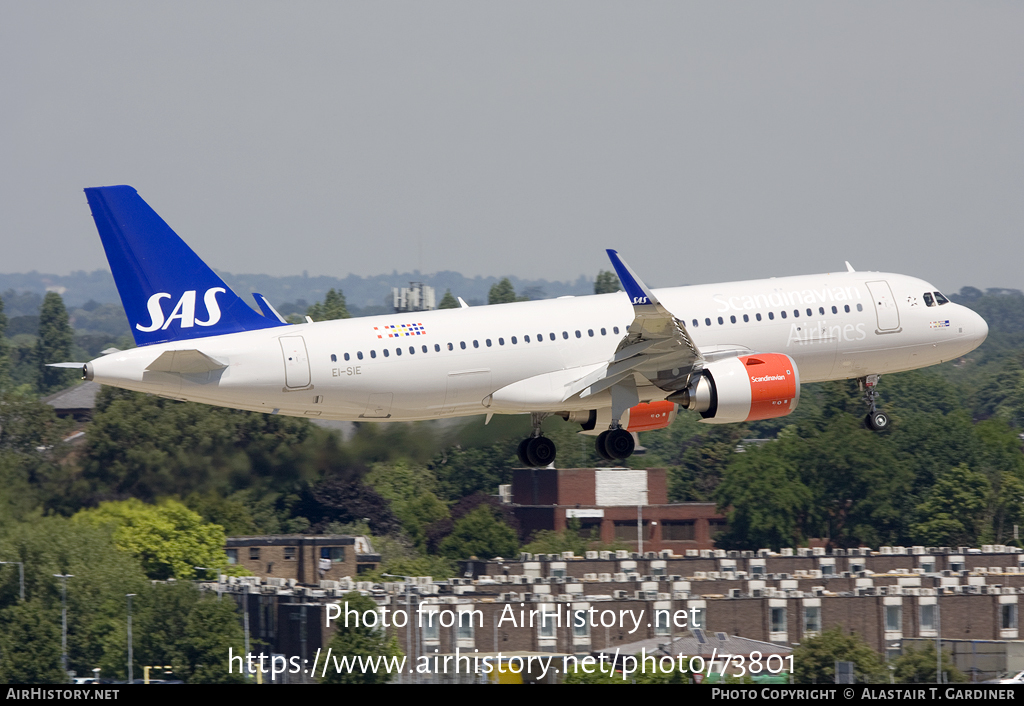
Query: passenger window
(424,349)
(758,316)
(334,358)
(359,355)
(437,347)
(732,319)
(847,308)
(796,313)
(386,353)
(526,338)
(604,332)
(695,324)
(860,308)
(347,356)
(941,299)
(783,312)
(590,331)
(578,334)
(821,310)
(412,350)
(616,329)
(551,336)
(720,321)
(476,344)
(835,311)
(771,316)
(810,312)
(746,319)
(514,341)
(398,351)
(501,341)
(488,343)
(373,354)
(565,334)
(540,338)
(707,322)
(462,345)
(451,347)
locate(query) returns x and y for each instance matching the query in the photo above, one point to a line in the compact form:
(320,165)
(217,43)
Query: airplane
(615,364)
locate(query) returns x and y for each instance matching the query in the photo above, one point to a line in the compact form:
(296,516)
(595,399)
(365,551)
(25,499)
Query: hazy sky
(705,141)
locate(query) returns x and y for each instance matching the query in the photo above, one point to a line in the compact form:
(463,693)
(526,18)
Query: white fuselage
(522,357)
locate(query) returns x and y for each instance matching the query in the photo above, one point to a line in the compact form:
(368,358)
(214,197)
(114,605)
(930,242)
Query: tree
(480,534)
(5,351)
(53,345)
(953,512)
(918,666)
(606,283)
(815,659)
(332,307)
(502,292)
(211,629)
(448,301)
(169,539)
(359,640)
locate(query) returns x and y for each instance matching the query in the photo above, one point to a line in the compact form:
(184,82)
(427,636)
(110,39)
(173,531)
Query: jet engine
(645,416)
(743,389)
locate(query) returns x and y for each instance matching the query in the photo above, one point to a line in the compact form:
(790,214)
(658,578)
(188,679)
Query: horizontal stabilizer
(267,308)
(190,361)
(65,365)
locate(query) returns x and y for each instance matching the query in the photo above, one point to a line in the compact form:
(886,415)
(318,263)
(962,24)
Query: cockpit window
(941,299)
(928,299)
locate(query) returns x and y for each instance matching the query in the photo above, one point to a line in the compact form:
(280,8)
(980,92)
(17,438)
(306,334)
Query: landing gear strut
(876,420)
(536,451)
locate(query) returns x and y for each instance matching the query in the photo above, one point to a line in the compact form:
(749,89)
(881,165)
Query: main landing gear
(615,444)
(876,420)
(536,451)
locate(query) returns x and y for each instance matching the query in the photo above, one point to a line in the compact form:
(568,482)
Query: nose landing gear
(876,420)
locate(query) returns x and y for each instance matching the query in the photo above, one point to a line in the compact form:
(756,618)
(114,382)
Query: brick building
(895,595)
(605,502)
(308,559)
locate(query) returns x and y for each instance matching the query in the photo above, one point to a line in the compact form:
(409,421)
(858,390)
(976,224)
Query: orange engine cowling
(647,416)
(745,389)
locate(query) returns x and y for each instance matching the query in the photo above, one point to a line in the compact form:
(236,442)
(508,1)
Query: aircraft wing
(656,346)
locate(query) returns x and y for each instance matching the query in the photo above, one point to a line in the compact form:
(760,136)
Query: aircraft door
(296,362)
(885,306)
(466,390)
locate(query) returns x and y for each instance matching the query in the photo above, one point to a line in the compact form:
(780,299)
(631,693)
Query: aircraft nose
(980,328)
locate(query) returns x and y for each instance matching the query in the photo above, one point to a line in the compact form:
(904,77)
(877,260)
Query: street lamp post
(131,661)
(408,613)
(21,577)
(64,620)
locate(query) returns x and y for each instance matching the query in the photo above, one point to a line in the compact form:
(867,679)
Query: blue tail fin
(168,293)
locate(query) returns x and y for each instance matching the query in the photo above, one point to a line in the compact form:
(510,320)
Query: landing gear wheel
(521,452)
(599,446)
(877,421)
(619,444)
(540,451)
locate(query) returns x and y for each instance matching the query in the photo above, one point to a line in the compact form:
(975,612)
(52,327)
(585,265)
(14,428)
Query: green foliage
(606,283)
(359,641)
(53,345)
(149,447)
(918,666)
(5,352)
(815,659)
(503,293)
(332,307)
(448,301)
(571,539)
(482,534)
(953,513)
(101,576)
(169,539)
